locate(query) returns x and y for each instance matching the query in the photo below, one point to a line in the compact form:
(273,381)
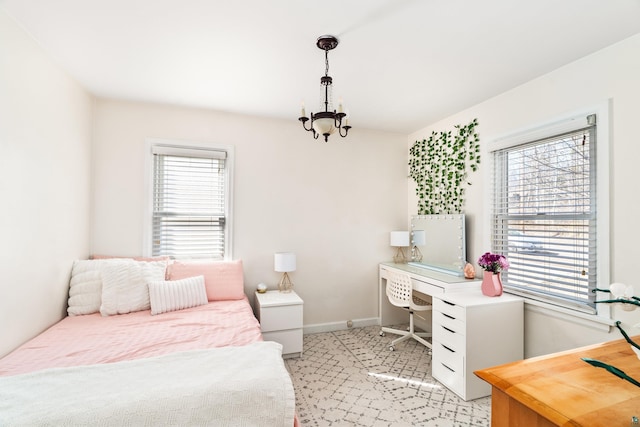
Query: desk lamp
(400,240)
(418,238)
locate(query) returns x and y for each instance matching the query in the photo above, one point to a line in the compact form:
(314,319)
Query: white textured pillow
(85,286)
(177,294)
(124,285)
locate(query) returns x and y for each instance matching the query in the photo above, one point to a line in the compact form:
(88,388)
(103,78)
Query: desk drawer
(449,356)
(426,288)
(450,309)
(447,373)
(456,325)
(448,336)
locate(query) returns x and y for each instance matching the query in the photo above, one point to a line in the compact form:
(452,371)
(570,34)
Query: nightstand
(280,316)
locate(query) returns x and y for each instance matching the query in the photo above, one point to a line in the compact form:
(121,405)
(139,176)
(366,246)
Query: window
(545,214)
(189,201)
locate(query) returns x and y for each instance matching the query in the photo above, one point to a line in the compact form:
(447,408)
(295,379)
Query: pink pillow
(223,279)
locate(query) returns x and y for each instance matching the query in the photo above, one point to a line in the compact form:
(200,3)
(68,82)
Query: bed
(154,343)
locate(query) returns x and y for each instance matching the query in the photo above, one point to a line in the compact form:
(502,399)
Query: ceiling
(400,65)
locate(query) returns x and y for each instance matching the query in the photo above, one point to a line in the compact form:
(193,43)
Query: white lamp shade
(419,238)
(399,239)
(285,262)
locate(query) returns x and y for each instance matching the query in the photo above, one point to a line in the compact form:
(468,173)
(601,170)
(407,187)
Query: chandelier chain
(326,62)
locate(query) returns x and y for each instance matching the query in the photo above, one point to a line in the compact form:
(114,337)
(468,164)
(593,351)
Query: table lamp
(400,240)
(284,263)
(418,238)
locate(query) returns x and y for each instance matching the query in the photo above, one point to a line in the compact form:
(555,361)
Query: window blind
(189,203)
(544,217)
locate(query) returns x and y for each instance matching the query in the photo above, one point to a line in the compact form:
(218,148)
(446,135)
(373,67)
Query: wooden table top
(568,391)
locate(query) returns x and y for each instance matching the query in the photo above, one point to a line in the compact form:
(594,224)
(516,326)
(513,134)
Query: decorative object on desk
(492,264)
(469,271)
(418,238)
(439,166)
(285,262)
(491,284)
(620,291)
(399,240)
(328,121)
(634,346)
(262,288)
(612,369)
(623,295)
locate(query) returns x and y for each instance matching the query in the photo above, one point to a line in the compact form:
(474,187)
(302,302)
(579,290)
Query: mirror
(439,240)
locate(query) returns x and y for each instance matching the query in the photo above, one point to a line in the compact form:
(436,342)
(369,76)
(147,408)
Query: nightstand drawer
(280,317)
(291,340)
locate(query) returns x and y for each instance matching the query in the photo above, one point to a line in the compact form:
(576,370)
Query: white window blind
(544,217)
(189,202)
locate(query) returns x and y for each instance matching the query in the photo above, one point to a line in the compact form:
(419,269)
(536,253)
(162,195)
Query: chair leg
(418,336)
(384,330)
(403,338)
(407,334)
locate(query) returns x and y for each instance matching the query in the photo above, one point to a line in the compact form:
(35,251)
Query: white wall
(45,134)
(611,74)
(333,204)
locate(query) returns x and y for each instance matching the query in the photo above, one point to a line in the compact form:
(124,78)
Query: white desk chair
(400,294)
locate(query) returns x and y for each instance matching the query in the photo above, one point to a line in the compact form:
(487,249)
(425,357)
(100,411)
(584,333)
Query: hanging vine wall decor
(439,166)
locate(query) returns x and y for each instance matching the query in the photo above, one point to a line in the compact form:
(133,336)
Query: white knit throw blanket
(230,386)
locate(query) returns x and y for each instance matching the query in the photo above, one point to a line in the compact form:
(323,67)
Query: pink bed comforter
(91,339)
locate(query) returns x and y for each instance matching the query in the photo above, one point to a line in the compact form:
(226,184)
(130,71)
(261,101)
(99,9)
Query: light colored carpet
(350,378)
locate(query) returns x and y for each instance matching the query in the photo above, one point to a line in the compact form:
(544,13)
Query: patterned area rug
(351,378)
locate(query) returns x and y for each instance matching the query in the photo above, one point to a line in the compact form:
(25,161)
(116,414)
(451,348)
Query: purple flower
(493,262)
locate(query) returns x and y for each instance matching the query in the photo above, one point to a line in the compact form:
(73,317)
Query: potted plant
(492,264)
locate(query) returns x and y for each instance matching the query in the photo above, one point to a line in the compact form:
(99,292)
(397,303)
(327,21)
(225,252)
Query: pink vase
(491,284)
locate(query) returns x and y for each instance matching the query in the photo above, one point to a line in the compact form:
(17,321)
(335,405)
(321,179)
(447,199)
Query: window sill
(590,320)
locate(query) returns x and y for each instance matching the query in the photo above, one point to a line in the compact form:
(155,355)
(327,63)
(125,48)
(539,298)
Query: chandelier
(328,121)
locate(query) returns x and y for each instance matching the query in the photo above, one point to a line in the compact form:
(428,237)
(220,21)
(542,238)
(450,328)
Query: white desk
(471,331)
(425,281)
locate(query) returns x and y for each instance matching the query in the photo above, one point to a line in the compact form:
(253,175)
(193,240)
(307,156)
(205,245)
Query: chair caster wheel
(381,333)
(391,348)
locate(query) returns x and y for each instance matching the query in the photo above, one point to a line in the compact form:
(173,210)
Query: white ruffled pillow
(177,294)
(124,285)
(85,286)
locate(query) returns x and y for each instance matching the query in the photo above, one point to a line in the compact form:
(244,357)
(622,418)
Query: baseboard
(340,326)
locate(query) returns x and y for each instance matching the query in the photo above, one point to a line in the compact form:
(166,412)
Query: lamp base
(416,255)
(285,285)
(400,257)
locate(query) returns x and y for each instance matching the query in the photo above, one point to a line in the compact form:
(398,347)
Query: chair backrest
(399,289)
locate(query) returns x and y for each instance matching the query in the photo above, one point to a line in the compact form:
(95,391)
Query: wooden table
(560,389)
